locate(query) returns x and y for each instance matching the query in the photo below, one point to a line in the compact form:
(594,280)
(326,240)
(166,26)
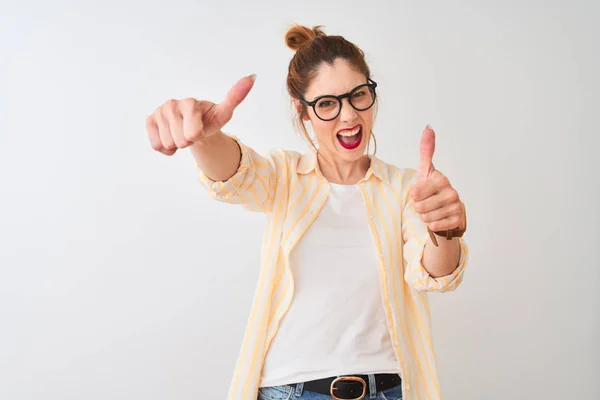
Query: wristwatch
(451,233)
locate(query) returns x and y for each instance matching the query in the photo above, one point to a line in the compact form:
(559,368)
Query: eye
(360,93)
(325,103)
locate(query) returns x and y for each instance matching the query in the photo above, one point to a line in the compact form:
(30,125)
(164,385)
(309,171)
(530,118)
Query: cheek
(367,116)
(324,130)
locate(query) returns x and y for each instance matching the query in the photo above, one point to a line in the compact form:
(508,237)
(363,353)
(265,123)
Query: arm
(231,171)
(443,259)
(218,156)
(429,268)
(236,174)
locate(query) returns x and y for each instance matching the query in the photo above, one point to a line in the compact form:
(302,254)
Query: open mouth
(350,138)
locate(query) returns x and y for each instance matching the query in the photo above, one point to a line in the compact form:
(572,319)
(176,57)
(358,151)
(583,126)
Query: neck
(343,172)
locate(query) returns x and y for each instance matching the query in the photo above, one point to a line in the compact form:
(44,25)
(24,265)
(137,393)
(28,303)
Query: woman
(348,253)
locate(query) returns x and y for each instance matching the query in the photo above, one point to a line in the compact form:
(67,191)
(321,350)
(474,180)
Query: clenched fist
(178,124)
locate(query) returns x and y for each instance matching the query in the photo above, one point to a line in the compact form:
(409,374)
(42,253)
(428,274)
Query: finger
(448,223)
(237,94)
(442,212)
(423,190)
(176,124)
(153,135)
(164,130)
(434,184)
(168,152)
(427,149)
(440,199)
(192,112)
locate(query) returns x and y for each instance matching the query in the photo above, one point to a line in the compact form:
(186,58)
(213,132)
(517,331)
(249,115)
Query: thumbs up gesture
(437,202)
(178,124)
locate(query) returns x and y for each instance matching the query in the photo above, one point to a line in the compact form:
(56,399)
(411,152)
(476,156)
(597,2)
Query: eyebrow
(332,95)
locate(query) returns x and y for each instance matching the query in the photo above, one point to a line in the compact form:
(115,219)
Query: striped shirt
(290,189)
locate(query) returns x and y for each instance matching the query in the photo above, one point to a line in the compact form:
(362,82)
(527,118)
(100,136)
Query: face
(344,138)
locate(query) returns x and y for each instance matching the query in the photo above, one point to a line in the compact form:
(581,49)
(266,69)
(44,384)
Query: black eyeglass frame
(371,84)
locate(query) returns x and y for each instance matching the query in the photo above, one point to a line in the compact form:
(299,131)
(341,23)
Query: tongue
(349,140)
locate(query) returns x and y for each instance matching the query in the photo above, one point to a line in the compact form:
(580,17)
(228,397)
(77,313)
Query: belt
(351,387)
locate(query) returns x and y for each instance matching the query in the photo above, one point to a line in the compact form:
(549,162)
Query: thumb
(427,148)
(235,96)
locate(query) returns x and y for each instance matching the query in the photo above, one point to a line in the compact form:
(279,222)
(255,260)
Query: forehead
(335,79)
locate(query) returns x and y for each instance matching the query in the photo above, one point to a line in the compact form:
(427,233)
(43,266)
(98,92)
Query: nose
(347,113)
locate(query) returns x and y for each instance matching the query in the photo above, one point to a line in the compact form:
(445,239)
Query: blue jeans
(297,392)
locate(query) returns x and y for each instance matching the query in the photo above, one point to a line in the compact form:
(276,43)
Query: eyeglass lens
(361,99)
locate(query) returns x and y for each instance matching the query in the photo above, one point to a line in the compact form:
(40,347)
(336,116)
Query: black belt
(352,386)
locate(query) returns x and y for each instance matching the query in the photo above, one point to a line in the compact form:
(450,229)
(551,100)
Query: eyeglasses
(328,107)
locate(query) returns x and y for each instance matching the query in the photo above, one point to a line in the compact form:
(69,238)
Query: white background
(121,279)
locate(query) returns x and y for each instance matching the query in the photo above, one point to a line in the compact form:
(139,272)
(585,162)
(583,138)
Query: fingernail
(428,127)
(253,77)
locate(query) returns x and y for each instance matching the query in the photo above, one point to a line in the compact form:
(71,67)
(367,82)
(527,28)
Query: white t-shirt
(336,324)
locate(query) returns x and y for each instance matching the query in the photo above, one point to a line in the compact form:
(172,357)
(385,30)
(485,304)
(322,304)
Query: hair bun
(299,36)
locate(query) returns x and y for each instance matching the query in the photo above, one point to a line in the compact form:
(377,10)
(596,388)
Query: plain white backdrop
(121,279)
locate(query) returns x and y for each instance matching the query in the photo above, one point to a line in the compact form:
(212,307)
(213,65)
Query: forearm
(218,156)
(442,260)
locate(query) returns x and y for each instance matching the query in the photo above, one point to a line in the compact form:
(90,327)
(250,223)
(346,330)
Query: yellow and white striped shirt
(290,189)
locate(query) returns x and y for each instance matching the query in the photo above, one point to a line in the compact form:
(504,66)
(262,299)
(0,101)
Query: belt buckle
(348,378)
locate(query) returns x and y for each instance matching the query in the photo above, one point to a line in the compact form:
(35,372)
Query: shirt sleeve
(415,236)
(252,185)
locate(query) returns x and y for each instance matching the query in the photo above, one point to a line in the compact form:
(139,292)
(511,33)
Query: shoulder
(398,177)
(285,154)
(281,160)
(292,160)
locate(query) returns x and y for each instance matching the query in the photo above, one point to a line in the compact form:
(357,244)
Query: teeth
(350,133)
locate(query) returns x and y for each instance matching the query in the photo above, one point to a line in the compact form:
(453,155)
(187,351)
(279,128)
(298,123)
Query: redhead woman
(352,244)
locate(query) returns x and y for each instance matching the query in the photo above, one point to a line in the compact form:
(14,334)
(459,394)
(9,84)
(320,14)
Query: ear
(298,107)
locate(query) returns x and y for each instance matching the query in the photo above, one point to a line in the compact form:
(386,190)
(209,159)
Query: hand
(178,124)
(434,198)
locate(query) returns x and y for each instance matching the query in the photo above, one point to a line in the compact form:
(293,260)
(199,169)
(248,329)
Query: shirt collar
(308,163)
